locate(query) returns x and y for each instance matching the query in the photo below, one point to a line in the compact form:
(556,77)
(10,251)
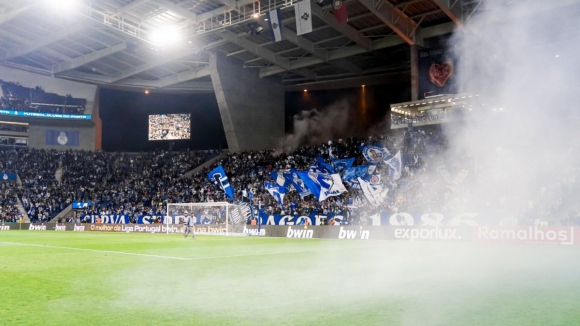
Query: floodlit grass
(157,279)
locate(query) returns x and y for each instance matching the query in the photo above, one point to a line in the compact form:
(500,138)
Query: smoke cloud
(519,138)
(318,126)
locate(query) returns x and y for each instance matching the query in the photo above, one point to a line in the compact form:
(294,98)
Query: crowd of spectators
(19,98)
(114,182)
(136,184)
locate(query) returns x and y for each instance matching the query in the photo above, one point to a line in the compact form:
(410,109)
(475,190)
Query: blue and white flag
(298,184)
(322,185)
(218,176)
(355,172)
(276,191)
(342,164)
(375,154)
(241,212)
(322,165)
(275,25)
(350,175)
(303,13)
(62,138)
(283,178)
(395,166)
(374,193)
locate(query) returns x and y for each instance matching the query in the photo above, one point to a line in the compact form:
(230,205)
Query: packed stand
(114,182)
(9,212)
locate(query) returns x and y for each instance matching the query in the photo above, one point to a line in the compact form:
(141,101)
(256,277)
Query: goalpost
(218,218)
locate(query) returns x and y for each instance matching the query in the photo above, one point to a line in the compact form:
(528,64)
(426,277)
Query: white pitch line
(93,250)
(178,258)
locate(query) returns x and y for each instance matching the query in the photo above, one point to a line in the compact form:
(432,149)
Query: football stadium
(289,162)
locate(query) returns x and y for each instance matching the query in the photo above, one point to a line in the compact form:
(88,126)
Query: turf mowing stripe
(180,258)
(94,250)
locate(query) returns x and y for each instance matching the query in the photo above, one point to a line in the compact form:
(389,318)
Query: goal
(219,218)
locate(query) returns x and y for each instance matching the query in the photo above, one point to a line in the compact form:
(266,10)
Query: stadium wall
(37,132)
(251,108)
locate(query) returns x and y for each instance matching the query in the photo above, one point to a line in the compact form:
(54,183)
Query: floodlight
(62,5)
(165,36)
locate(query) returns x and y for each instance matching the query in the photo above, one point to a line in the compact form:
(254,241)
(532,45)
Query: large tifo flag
(395,166)
(303,13)
(218,176)
(322,185)
(375,154)
(374,193)
(278,192)
(62,138)
(275,25)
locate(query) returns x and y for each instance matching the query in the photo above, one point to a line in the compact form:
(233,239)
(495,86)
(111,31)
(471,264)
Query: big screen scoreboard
(169,126)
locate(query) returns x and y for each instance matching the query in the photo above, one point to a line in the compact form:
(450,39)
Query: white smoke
(318,126)
(522,58)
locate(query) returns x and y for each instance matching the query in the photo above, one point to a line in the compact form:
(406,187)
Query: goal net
(219,218)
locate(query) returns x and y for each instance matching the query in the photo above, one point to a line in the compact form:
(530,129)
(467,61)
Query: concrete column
(252,108)
(414,73)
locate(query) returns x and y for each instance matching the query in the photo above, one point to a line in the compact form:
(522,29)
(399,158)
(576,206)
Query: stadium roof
(110,41)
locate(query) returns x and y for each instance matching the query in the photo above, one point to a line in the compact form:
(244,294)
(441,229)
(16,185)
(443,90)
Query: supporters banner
(62,138)
(311,219)
(375,154)
(9,177)
(437,71)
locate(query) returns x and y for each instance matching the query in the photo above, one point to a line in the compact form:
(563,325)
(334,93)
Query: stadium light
(62,5)
(255,15)
(165,36)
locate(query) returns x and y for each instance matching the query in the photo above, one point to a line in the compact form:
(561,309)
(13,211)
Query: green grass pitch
(52,278)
